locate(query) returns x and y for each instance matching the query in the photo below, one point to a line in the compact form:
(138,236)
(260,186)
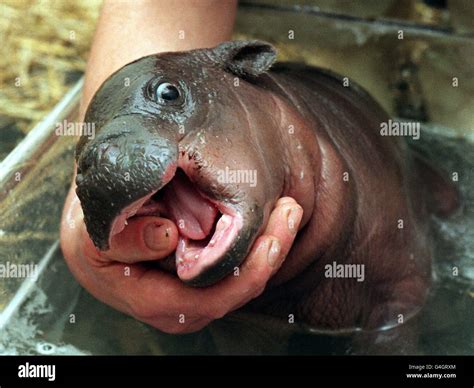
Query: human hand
(119,277)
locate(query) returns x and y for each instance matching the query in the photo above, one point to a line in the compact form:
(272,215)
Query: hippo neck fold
(295,142)
(302,156)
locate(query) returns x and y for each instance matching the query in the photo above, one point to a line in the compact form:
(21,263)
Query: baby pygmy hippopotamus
(211,138)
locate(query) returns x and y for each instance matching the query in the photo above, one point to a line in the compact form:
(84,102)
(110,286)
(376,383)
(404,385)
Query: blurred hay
(44,48)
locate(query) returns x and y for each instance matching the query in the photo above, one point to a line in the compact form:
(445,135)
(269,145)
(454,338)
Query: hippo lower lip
(207,228)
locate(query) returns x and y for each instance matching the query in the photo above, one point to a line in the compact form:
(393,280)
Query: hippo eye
(166,92)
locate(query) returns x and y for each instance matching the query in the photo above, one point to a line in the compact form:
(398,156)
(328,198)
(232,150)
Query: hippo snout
(122,165)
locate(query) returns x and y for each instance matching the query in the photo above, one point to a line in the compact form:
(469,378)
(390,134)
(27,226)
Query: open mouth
(207,228)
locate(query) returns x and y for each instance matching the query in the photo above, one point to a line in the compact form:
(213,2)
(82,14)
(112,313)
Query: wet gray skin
(169,124)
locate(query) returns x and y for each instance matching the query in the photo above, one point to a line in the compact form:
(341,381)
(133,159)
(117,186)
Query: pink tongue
(193,214)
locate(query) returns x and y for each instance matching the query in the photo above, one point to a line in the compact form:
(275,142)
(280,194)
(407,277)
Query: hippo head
(186,136)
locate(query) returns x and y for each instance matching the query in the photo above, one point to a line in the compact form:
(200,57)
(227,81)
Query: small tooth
(196,256)
(126,222)
(180,260)
(212,242)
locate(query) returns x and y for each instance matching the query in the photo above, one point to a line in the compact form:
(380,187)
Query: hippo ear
(245,58)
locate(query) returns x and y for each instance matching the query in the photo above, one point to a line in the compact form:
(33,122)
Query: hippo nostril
(107,153)
(94,156)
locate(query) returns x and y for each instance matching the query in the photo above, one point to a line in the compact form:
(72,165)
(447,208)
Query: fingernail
(273,253)
(157,237)
(294,218)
